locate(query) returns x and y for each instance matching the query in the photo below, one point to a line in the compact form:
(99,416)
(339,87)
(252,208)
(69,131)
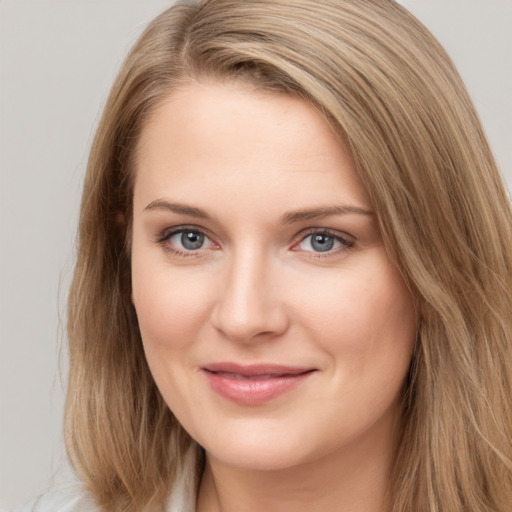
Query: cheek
(358,302)
(171,312)
(363,317)
(171,305)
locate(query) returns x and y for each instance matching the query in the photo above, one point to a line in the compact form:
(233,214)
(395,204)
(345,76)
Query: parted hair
(392,94)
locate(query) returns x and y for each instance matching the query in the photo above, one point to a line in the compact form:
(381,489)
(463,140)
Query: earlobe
(119,225)
(120,219)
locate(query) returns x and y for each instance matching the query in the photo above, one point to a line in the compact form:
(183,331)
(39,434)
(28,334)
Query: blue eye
(323,242)
(187,240)
(190,240)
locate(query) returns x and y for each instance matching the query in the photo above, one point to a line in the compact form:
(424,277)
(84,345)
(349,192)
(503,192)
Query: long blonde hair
(393,95)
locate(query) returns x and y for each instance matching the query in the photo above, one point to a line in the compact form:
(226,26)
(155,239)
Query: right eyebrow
(180,208)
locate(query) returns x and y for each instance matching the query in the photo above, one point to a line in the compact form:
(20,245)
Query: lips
(254,384)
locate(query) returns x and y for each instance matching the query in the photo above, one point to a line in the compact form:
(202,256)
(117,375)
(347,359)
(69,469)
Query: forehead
(218,135)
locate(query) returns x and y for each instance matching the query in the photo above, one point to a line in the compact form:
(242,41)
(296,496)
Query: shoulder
(76,499)
(73,499)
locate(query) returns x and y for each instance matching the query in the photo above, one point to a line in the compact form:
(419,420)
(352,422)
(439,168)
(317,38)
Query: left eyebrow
(315,213)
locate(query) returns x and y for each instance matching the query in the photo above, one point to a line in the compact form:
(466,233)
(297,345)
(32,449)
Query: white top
(75,499)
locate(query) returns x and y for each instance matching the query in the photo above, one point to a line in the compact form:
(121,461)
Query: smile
(253,384)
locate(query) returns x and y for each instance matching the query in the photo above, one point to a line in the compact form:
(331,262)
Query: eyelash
(164,238)
(346,243)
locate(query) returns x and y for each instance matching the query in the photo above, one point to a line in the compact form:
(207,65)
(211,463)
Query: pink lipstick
(253,384)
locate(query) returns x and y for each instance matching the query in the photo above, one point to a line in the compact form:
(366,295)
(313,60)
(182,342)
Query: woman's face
(275,325)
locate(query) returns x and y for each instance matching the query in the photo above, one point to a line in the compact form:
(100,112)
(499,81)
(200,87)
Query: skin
(259,291)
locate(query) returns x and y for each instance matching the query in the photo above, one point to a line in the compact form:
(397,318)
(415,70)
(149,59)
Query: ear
(120,223)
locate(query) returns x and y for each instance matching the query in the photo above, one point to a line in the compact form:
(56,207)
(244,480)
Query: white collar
(183,495)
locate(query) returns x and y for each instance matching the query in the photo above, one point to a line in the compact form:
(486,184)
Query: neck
(353,479)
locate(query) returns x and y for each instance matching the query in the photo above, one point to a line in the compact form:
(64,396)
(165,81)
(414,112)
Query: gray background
(57,61)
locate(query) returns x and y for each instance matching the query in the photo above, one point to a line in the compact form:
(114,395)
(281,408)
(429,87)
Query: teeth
(248,377)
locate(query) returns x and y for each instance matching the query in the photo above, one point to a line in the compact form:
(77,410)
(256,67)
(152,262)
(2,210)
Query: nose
(249,307)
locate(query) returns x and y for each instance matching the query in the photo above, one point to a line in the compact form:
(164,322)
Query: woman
(293,282)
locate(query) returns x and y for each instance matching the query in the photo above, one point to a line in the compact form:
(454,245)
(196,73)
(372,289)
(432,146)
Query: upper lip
(256,370)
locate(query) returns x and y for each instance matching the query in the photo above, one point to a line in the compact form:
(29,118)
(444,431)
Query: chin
(259,449)
(256,458)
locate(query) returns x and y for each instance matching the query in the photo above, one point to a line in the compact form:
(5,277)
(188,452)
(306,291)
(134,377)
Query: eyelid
(164,236)
(347,241)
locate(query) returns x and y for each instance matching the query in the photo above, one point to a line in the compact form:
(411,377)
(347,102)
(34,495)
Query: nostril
(247,309)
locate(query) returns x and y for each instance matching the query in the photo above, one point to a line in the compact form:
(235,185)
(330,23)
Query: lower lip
(253,391)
